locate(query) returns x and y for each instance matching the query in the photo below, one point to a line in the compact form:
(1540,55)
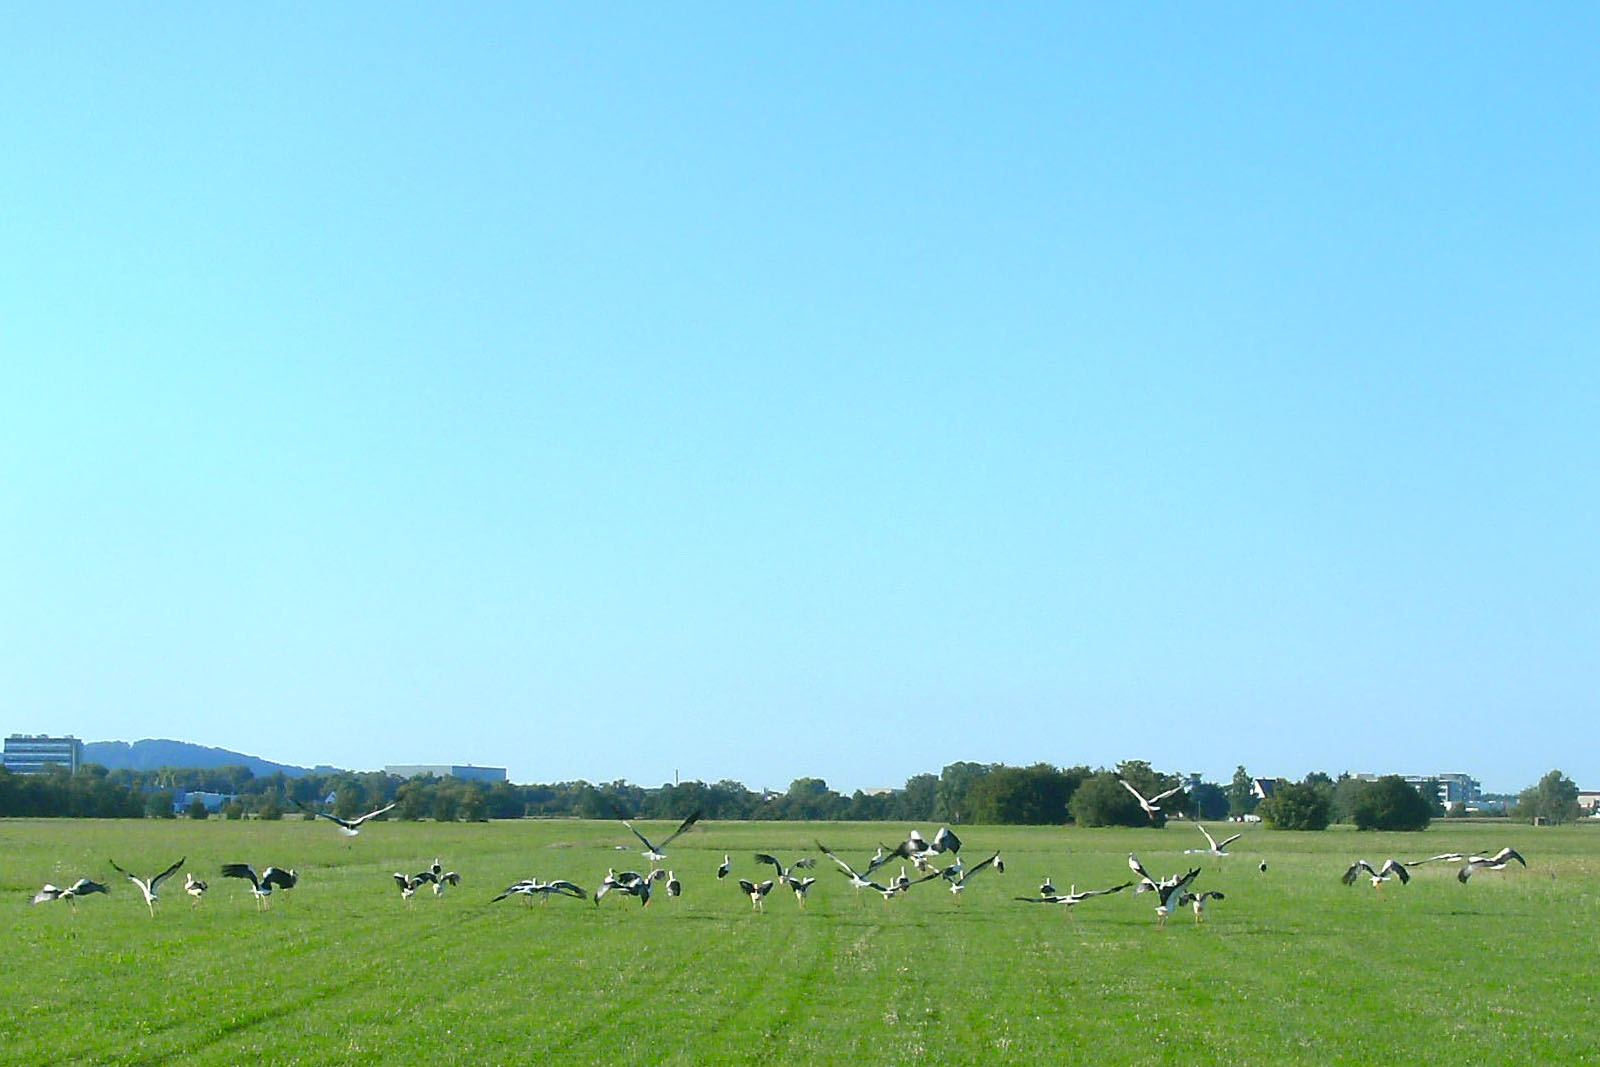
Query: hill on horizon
(154,753)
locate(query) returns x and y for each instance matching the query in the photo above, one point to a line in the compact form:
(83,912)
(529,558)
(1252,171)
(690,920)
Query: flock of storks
(936,860)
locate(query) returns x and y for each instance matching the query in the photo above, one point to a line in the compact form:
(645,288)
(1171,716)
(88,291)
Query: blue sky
(764,393)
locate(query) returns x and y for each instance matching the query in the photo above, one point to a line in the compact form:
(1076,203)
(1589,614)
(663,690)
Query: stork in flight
(262,885)
(1151,806)
(1217,850)
(1198,901)
(1167,890)
(1496,862)
(917,849)
(1473,864)
(957,875)
(656,853)
(529,888)
(1072,898)
(349,827)
(758,892)
(857,880)
(81,888)
(150,887)
(1391,868)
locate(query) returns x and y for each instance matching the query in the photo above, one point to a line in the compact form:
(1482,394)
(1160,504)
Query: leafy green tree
(1391,804)
(474,802)
(1101,801)
(197,809)
(1430,790)
(954,783)
(1029,796)
(1554,800)
(158,805)
(1207,800)
(1297,806)
(447,801)
(1241,801)
(1345,792)
(918,801)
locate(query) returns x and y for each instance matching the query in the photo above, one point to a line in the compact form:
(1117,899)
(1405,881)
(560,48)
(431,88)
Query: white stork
(81,888)
(150,887)
(529,888)
(1218,850)
(1198,902)
(1072,898)
(194,887)
(727,865)
(1391,868)
(1496,862)
(656,853)
(1151,806)
(957,875)
(1166,890)
(261,886)
(349,827)
(917,849)
(857,880)
(758,892)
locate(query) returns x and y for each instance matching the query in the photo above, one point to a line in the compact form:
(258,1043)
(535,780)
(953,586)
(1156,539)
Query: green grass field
(1292,967)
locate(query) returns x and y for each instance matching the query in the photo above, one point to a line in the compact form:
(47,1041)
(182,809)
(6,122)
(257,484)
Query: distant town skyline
(812,391)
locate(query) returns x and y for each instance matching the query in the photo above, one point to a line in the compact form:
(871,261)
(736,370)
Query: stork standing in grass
(150,887)
(194,887)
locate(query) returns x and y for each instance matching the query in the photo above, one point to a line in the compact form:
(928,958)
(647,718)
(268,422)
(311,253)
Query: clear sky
(797,390)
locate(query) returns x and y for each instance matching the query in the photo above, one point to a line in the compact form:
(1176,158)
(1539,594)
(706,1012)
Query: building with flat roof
(468,773)
(1454,787)
(34,753)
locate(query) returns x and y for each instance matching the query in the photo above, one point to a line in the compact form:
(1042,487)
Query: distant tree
(1430,790)
(474,802)
(918,801)
(1390,804)
(505,801)
(1554,800)
(197,809)
(1207,800)
(415,798)
(1297,806)
(233,810)
(1030,796)
(809,798)
(1241,800)
(954,783)
(1101,801)
(158,805)
(1345,791)
(447,801)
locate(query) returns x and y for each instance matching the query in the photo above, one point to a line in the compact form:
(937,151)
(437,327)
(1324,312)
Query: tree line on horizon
(963,792)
